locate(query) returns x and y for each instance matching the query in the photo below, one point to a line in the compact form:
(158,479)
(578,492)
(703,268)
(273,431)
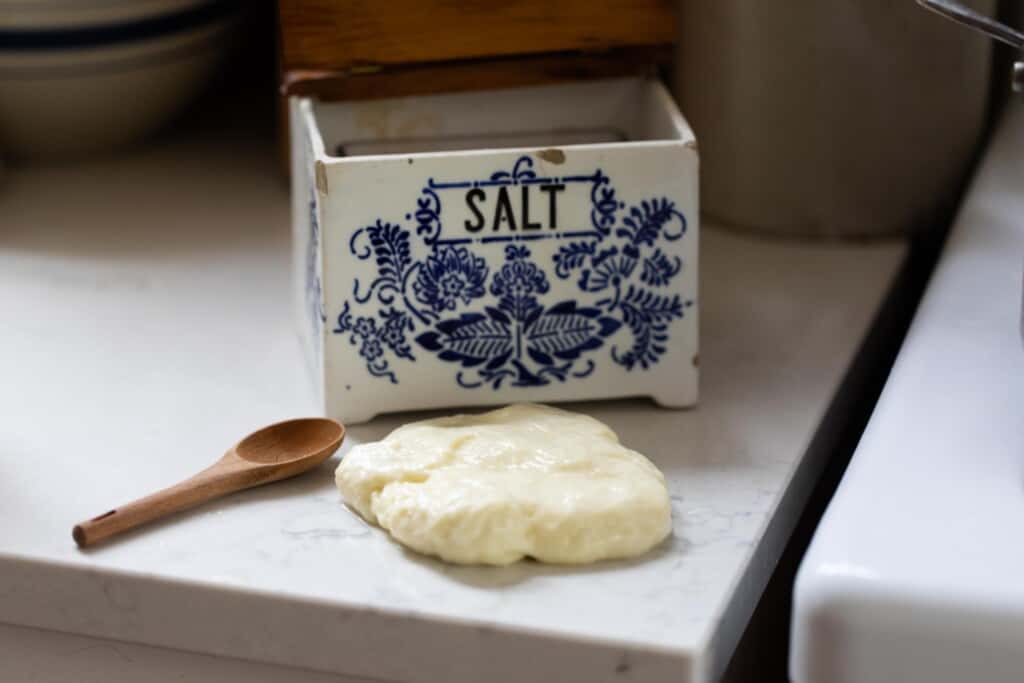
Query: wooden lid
(407,41)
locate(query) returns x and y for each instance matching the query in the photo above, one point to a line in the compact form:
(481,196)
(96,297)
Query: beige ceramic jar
(830,118)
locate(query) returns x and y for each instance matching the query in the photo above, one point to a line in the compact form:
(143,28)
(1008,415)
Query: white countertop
(147,327)
(916,573)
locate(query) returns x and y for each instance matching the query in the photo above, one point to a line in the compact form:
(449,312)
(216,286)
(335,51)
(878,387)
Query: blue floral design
(611,271)
(521,339)
(314,288)
(365,333)
(608,268)
(500,341)
(648,316)
(650,221)
(389,247)
(428,216)
(518,282)
(448,276)
(372,339)
(372,349)
(659,269)
(364,327)
(394,331)
(605,204)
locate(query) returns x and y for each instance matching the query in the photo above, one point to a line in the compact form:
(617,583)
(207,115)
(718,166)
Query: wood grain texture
(341,34)
(273,453)
(424,79)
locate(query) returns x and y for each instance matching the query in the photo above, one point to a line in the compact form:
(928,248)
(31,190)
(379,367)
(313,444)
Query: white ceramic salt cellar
(499,265)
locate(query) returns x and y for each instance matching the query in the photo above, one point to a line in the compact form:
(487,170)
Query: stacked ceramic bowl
(85,76)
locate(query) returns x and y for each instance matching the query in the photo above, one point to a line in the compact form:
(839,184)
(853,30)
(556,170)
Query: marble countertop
(916,573)
(147,327)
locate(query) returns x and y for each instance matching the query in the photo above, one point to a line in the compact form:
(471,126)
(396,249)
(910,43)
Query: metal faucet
(990,27)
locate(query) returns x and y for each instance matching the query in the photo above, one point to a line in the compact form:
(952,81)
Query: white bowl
(51,14)
(65,100)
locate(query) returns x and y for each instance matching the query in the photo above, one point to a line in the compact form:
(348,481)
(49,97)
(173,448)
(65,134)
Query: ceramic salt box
(519,240)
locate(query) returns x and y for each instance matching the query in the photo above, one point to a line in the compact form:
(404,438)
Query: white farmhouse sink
(916,573)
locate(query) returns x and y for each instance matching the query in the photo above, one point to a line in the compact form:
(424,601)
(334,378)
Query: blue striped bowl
(79,77)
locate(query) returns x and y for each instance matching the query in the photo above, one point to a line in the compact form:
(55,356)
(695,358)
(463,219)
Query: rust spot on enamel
(554,156)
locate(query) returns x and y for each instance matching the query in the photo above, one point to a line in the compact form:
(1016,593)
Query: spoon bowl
(304,439)
(272,453)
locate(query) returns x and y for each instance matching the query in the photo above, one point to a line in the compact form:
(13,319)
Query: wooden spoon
(273,453)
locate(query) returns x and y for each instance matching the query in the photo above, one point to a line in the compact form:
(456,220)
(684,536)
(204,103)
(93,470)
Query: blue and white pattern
(314,287)
(450,276)
(493,321)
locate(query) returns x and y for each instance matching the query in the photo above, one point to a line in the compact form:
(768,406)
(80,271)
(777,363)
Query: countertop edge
(389,645)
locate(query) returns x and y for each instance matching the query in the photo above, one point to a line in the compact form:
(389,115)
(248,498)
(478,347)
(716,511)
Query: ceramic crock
(491,272)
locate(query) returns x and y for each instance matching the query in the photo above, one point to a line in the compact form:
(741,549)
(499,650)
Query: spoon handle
(207,485)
